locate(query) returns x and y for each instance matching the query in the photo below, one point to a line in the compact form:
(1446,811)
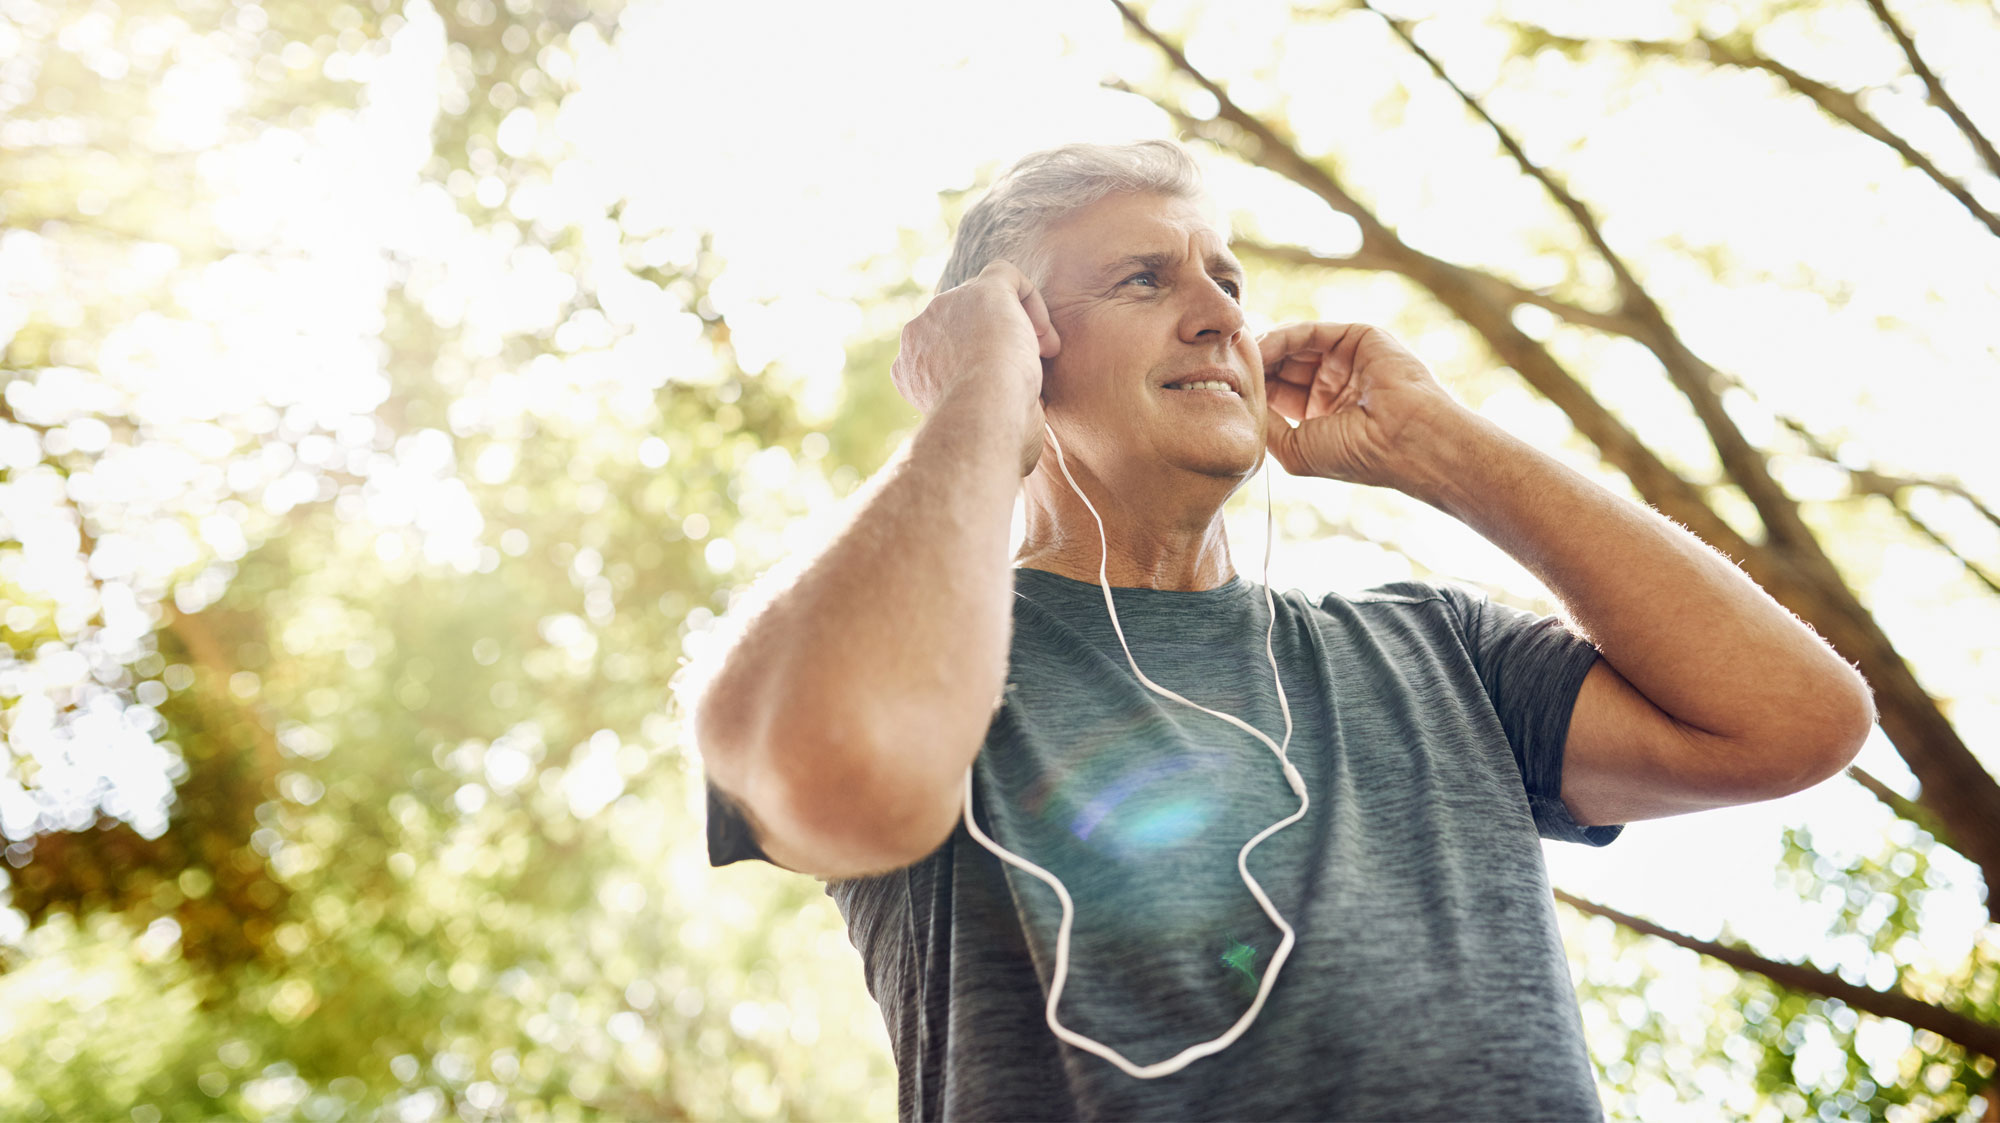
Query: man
(1088,338)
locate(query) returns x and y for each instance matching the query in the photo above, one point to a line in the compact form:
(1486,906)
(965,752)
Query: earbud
(1193,1052)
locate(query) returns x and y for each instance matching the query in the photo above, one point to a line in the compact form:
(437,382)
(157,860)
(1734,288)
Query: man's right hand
(985,338)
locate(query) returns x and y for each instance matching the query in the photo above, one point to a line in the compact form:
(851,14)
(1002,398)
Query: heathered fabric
(1428,980)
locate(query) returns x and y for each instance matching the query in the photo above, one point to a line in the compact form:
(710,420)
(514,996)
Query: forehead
(1103,234)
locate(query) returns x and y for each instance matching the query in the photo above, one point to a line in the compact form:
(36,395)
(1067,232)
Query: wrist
(1454,456)
(996,391)
(980,420)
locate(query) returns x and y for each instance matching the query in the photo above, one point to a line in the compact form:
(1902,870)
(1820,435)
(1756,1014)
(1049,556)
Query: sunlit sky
(808,152)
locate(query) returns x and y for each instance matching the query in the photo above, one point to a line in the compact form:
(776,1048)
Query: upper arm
(1626,759)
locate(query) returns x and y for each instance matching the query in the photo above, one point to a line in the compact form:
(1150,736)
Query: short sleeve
(1532,668)
(730,837)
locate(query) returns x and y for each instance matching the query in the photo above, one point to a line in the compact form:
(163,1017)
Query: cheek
(1253,358)
(1082,345)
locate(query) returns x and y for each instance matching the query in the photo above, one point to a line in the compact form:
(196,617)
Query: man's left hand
(1367,408)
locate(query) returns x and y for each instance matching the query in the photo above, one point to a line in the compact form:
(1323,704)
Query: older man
(1089,336)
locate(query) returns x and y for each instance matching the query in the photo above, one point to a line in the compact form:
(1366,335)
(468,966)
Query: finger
(1038,314)
(1031,301)
(1315,335)
(1334,386)
(1287,398)
(1300,367)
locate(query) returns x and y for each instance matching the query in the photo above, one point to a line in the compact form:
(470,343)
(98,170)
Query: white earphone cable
(1192,1052)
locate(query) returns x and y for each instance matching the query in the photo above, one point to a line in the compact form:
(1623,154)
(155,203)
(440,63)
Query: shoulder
(1431,615)
(1405,600)
(1395,594)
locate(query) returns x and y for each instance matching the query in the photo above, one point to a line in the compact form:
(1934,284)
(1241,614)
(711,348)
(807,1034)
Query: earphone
(1193,1052)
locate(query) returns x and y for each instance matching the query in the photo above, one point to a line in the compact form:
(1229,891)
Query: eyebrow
(1218,264)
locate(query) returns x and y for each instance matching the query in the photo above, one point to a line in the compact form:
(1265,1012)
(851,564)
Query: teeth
(1210,384)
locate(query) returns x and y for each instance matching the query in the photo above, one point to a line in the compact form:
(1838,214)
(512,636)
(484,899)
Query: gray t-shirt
(1428,979)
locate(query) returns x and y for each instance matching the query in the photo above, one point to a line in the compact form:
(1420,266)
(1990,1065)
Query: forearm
(860,693)
(1677,620)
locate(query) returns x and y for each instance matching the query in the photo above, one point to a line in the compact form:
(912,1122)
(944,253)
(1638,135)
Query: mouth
(1212,380)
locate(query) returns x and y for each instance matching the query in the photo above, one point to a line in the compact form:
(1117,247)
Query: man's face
(1144,293)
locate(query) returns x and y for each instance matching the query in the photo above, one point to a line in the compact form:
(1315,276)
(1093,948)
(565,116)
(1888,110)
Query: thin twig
(1894,488)
(1845,106)
(1902,805)
(1748,466)
(1628,285)
(1841,105)
(1938,95)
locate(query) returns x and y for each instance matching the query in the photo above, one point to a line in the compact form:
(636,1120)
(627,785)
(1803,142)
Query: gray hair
(1044,187)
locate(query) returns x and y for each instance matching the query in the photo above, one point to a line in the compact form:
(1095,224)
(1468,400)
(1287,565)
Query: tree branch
(1499,287)
(1866,481)
(1903,806)
(1465,293)
(1362,259)
(1938,95)
(1892,490)
(1877,482)
(1890,486)
(1871,481)
(1628,285)
(1271,150)
(1793,568)
(1845,107)
(1862,480)
(1977,1036)
(1748,467)
(1841,105)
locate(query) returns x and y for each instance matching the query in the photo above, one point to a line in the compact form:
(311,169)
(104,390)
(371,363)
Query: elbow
(719,732)
(880,784)
(1845,716)
(828,800)
(863,824)
(1854,706)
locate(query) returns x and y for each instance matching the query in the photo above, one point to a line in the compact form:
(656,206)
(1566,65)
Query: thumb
(1050,342)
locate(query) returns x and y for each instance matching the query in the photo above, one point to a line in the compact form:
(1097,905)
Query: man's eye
(1137,276)
(1233,289)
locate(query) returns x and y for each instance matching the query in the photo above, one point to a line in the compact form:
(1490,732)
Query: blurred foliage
(433,845)
(431,842)
(1801,1051)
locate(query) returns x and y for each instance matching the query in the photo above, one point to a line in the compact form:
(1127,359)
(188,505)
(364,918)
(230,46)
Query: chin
(1231,460)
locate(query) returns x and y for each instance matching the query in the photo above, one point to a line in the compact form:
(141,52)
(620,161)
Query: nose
(1213,316)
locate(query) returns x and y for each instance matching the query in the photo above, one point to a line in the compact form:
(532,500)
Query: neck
(1169,543)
